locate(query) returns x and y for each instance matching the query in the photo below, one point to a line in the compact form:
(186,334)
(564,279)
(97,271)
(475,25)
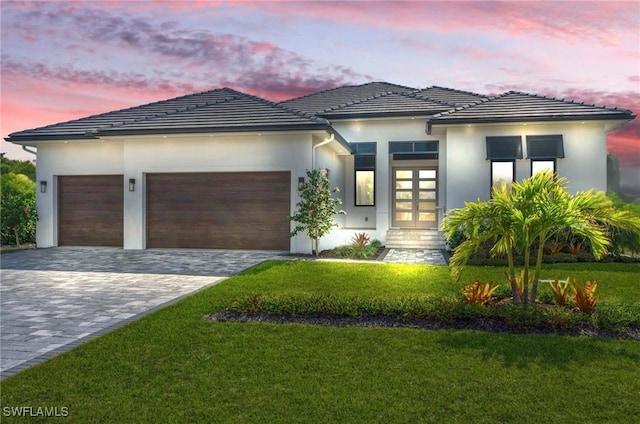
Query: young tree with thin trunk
(316,208)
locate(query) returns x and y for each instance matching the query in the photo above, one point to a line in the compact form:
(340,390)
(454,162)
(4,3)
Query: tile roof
(516,106)
(450,96)
(211,111)
(227,110)
(386,104)
(333,98)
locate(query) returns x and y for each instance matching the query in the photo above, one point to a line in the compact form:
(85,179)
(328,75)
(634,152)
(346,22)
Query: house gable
(220,110)
(516,106)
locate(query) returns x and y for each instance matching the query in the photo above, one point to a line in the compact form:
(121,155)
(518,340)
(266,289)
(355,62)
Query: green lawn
(175,366)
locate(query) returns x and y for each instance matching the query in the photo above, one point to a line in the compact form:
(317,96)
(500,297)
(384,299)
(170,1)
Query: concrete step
(414,239)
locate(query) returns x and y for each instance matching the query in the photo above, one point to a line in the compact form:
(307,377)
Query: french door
(415,197)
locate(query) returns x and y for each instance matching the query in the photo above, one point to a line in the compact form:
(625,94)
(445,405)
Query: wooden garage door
(238,210)
(90,210)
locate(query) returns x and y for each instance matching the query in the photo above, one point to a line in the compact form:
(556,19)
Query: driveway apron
(51,300)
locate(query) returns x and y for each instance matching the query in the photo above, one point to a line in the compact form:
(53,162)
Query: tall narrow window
(365,174)
(502,152)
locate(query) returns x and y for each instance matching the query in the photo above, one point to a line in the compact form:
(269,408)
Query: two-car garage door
(238,210)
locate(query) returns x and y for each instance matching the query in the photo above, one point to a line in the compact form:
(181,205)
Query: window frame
(368,150)
(513,172)
(554,168)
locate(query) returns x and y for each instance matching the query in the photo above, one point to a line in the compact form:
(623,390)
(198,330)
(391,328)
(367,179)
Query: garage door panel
(237,210)
(90,210)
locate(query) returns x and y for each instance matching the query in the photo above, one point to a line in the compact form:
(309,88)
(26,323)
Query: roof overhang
(615,121)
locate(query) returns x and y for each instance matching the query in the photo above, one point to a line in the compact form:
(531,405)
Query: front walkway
(51,300)
(415,256)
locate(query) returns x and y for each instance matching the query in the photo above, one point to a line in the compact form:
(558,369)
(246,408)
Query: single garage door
(90,210)
(236,210)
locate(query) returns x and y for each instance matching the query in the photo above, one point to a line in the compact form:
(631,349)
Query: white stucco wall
(375,221)
(72,158)
(134,157)
(469,173)
(464,171)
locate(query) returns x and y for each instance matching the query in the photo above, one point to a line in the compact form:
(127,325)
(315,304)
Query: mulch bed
(494,325)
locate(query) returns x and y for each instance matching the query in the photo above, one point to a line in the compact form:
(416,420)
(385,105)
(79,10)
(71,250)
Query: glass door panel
(415,197)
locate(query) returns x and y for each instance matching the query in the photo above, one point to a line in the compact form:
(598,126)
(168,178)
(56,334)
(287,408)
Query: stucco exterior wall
(134,157)
(73,158)
(375,221)
(469,173)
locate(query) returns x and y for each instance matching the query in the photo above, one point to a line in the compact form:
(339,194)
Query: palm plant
(526,217)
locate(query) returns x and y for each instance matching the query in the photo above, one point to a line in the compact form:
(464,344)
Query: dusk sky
(66,60)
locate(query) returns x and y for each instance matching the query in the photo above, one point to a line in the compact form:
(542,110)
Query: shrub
(18,213)
(584,298)
(360,240)
(478,293)
(560,292)
(617,317)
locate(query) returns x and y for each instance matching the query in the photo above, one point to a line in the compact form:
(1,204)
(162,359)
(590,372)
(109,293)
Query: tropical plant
(554,247)
(316,208)
(478,293)
(624,241)
(560,291)
(360,239)
(583,296)
(524,218)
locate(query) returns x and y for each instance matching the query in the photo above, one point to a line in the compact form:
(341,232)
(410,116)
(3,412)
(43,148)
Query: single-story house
(220,169)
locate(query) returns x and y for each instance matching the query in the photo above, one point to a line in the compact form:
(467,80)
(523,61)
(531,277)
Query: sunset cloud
(64,60)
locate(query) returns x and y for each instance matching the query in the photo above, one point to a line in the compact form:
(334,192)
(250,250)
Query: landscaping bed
(433,314)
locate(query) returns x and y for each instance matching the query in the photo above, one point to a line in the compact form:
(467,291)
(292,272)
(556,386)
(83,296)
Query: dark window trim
(355,188)
(368,149)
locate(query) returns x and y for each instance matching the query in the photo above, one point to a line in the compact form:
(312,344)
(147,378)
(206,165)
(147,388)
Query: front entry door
(415,197)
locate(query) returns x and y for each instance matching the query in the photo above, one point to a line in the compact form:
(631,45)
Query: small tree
(316,208)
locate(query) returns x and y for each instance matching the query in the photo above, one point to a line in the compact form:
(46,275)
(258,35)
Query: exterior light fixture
(132,184)
(43,186)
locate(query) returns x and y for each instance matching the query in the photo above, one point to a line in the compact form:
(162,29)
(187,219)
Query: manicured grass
(174,366)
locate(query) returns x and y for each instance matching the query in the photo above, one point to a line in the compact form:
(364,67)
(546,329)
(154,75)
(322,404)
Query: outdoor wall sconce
(132,184)
(43,186)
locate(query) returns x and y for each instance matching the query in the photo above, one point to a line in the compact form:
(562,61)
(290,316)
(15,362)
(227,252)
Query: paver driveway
(54,299)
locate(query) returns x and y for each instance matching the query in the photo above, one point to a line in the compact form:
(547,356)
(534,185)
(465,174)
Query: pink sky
(65,60)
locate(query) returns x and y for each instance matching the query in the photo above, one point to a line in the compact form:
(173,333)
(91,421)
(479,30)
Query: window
(502,173)
(503,151)
(543,150)
(542,165)
(414,150)
(365,173)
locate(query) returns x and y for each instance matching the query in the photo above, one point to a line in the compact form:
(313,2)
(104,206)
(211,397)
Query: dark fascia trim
(399,114)
(204,130)
(130,132)
(608,117)
(26,138)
